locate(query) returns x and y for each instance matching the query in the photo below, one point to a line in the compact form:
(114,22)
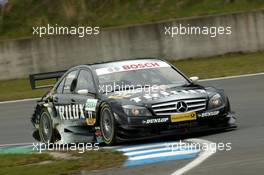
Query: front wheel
(108,125)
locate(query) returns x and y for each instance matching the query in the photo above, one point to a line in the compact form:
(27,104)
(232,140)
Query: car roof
(124,60)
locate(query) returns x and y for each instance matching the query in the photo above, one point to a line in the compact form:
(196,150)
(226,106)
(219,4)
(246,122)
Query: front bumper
(138,128)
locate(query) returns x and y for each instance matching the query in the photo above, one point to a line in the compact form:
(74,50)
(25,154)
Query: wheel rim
(107,124)
(45,127)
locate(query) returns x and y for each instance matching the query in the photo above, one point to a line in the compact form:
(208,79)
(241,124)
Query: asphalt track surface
(247,154)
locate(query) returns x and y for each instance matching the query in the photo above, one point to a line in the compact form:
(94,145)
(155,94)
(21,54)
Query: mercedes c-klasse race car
(126,100)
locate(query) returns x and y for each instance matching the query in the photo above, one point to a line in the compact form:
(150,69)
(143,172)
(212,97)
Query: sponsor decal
(79,111)
(207,114)
(163,94)
(155,120)
(187,116)
(136,99)
(135,65)
(90,121)
(141,66)
(71,112)
(90,105)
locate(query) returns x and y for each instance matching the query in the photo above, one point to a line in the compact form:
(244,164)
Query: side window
(85,81)
(68,81)
(60,87)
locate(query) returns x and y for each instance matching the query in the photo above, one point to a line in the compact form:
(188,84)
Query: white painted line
(164,154)
(133,148)
(202,157)
(111,147)
(235,76)
(132,153)
(141,147)
(15,144)
(167,148)
(17,101)
(210,79)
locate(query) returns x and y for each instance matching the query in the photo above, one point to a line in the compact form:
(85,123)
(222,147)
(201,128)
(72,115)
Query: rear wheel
(108,125)
(46,133)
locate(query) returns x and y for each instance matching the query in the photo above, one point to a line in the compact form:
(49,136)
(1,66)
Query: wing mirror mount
(194,79)
(73,85)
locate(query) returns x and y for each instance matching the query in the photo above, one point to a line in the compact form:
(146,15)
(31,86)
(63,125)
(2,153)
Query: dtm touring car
(126,100)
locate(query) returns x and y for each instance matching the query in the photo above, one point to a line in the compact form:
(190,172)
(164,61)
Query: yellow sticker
(183,117)
(90,121)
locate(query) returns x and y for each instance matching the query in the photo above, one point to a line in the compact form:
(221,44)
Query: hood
(143,96)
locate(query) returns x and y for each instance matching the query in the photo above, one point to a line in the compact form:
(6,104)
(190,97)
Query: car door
(63,95)
(84,95)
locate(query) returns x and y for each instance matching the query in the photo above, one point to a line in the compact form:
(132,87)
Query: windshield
(148,73)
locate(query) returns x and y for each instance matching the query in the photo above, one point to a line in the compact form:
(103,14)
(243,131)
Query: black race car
(125,100)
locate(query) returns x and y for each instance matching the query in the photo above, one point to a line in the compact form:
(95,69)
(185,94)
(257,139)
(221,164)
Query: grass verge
(219,66)
(43,164)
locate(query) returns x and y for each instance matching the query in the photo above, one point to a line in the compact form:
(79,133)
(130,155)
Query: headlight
(215,101)
(132,110)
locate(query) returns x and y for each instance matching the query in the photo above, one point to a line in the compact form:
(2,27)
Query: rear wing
(33,78)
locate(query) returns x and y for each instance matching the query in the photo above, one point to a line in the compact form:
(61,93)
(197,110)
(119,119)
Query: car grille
(168,108)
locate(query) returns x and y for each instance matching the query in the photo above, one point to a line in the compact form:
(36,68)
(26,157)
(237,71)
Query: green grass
(219,66)
(24,164)
(18,89)
(13,160)
(16,22)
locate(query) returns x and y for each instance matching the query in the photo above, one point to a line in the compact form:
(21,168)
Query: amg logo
(155,120)
(70,112)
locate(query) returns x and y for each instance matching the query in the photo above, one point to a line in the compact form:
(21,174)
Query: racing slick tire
(46,131)
(108,125)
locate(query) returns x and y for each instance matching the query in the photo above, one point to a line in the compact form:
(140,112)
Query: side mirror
(194,79)
(83,92)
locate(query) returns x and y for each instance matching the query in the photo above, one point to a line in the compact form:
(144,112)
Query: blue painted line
(16,150)
(129,163)
(160,151)
(154,152)
(153,155)
(157,152)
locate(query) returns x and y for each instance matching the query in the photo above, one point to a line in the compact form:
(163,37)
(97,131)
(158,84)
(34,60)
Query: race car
(125,100)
